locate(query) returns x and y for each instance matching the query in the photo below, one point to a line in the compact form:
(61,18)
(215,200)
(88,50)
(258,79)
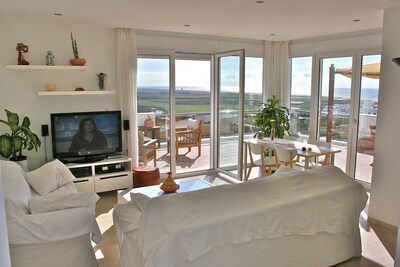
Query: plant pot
(148,123)
(77,61)
(21,161)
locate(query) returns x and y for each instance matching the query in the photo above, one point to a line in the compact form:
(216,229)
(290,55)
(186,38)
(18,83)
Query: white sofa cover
(59,237)
(301,218)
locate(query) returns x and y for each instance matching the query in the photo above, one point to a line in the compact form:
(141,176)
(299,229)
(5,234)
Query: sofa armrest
(52,226)
(126,219)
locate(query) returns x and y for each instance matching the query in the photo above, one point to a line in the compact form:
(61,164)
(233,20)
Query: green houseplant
(76,61)
(20,138)
(271,114)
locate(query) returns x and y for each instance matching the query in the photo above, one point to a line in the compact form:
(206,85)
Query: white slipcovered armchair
(49,223)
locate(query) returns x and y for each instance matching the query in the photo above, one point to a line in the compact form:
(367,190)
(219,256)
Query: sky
(301,74)
(196,73)
(155,72)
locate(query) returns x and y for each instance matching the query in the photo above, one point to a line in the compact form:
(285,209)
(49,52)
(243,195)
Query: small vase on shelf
(77,61)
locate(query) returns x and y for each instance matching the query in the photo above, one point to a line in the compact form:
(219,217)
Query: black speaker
(126,125)
(45,130)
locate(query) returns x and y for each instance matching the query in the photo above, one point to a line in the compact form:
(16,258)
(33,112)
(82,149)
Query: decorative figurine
(169,185)
(22,48)
(102,80)
(50,58)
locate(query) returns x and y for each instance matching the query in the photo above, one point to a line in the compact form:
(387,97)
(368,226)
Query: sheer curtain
(276,71)
(126,88)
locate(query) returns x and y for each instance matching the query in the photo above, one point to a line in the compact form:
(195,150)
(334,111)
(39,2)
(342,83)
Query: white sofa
(296,218)
(52,229)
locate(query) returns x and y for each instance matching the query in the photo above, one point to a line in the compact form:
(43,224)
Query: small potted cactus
(76,61)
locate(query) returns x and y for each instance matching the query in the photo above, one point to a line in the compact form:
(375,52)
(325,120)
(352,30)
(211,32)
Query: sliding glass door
(334,104)
(193,101)
(229,106)
(347,109)
(368,109)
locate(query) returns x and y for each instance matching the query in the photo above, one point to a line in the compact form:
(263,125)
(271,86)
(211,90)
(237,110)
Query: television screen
(89,136)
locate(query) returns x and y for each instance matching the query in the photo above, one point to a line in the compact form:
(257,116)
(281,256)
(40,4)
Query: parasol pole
(330,103)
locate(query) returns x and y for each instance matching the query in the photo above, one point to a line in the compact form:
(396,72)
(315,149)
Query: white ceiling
(272,20)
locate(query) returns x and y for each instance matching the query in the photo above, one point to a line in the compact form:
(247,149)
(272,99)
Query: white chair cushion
(49,177)
(193,124)
(63,201)
(16,190)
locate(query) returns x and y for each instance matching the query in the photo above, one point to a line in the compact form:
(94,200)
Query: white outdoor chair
(286,155)
(292,138)
(258,158)
(324,160)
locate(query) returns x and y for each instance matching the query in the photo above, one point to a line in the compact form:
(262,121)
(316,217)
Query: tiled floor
(378,243)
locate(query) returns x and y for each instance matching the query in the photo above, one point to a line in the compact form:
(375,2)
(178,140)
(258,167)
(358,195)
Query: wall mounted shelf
(61,93)
(45,67)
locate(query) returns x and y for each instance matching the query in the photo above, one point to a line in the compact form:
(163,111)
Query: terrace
(190,162)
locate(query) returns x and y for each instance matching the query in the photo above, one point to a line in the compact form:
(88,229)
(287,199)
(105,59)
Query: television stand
(103,175)
(87,159)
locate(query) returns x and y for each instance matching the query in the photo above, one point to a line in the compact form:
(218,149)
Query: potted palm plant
(271,117)
(20,138)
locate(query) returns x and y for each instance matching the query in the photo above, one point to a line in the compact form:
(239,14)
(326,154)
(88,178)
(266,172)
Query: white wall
(189,43)
(338,43)
(385,190)
(18,87)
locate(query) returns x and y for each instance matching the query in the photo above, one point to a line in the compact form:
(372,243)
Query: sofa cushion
(140,200)
(16,190)
(63,201)
(49,177)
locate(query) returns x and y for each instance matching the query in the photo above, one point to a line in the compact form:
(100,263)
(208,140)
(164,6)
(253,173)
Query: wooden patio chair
(147,149)
(190,136)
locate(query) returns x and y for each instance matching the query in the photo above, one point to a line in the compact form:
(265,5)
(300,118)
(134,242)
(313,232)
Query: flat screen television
(86,136)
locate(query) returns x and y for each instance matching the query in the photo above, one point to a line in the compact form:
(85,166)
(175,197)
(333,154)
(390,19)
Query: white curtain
(276,71)
(126,87)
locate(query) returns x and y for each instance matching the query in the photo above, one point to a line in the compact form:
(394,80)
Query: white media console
(101,176)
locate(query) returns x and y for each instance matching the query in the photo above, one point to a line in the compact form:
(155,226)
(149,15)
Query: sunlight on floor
(99,254)
(105,221)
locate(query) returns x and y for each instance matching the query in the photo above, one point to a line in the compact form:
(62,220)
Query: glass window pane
(253,93)
(367,117)
(153,95)
(193,100)
(300,100)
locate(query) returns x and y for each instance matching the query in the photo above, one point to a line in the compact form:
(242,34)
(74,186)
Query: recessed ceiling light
(58,14)
(356,20)
(260,2)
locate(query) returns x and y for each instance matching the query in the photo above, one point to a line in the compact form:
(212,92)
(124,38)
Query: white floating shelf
(58,93)
(45,67)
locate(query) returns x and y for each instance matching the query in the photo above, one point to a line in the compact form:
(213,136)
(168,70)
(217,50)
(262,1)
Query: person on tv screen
(88,137)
